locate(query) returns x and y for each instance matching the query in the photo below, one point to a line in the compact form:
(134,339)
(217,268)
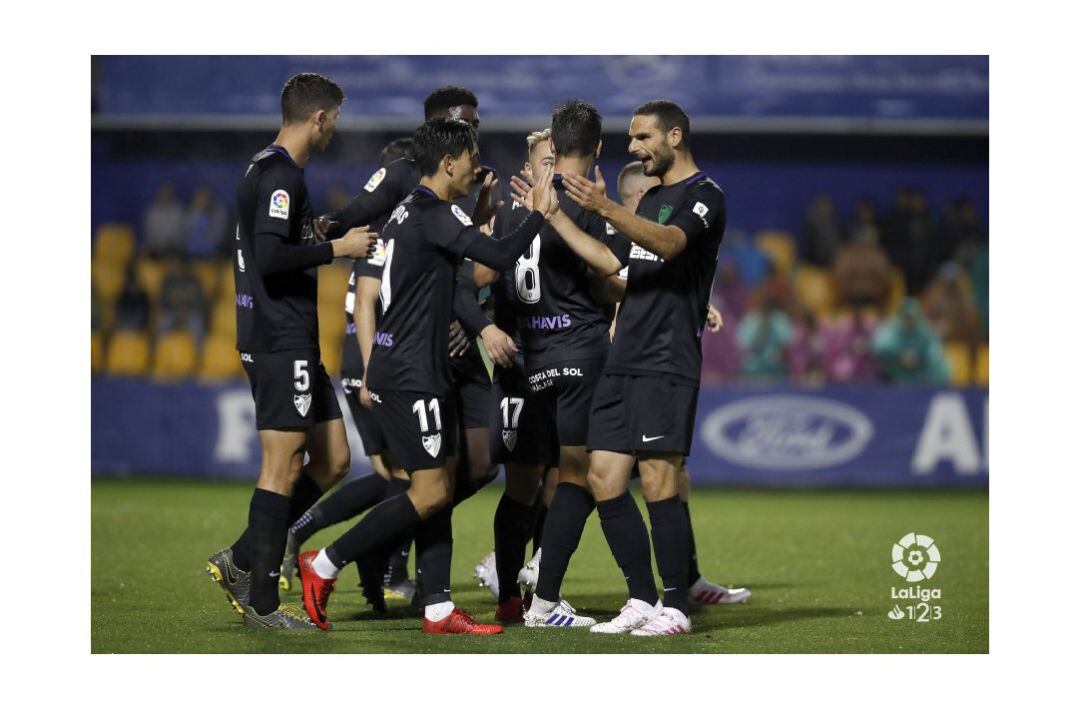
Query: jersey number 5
(527,274)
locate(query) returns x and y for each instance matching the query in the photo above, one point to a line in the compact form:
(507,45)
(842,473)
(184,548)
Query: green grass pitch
(818,563)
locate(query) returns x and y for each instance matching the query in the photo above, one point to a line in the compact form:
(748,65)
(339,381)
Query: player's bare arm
(367,300)
(665,241)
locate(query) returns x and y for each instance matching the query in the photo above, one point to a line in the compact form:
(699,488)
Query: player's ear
(448,165)
(674,137)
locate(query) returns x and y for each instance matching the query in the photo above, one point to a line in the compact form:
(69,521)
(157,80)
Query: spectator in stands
(912,240)
(730,293)
(806,354)
(950,306)
(847,344)
(862,274)
(753,265)
(97,310)
(132,305)
(764,335)
(720,355)
(163,224)
(183,303)
(908,350)
(822,232)
(865,226)
(979,271)
(962,234)
(205,225)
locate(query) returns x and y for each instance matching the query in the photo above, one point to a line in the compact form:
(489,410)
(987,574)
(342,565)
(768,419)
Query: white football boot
(486,574)
(667,621)
(529,574)
(634,614)
(561,615)
(702,592)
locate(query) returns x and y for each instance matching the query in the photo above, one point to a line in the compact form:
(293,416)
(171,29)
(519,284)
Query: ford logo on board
(787,432)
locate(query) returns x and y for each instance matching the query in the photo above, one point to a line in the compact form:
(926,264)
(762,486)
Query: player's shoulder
(272,165)
(701,185)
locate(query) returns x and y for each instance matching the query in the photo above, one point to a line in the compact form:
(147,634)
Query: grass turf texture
(818,564)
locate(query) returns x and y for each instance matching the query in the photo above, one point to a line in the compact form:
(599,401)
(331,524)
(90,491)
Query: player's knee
(601,484)
(338,464)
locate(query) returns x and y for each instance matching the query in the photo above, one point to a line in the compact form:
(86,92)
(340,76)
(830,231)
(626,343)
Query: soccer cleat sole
(217,577)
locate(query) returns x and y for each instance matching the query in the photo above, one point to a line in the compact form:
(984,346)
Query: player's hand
(365,394)
(484,209)
(521,191)
(358,242)
(499,345)
(713,320)
(322,226)
(591,196)
(459,341)
(544,198)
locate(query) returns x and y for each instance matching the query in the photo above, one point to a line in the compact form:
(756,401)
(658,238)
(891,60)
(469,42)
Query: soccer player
(296,411)
(646,400)
(408,380)
(564,333)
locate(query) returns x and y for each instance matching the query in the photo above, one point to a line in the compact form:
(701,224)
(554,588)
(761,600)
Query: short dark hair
(306,93)
(445,98)
(575,128)
(439,137)
(395,150)
(668,114)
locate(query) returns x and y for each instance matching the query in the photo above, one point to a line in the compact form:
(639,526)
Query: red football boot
(511,610)
(457,622)
(316,589)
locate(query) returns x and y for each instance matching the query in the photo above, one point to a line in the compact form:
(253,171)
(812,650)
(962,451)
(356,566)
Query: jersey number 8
(527,274)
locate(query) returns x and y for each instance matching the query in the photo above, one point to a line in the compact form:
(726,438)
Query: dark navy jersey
(425,239)
(663,311)
(384,190)
(351,361)
(278,311)
(557,318)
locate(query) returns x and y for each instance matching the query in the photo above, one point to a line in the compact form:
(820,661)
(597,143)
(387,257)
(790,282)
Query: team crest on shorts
(509,439)
(302,403)
(432,443)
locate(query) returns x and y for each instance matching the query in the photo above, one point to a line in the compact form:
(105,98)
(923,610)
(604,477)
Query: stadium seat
(208,272)
(779,246)
(226,282)
(330,347)
(174,356)
(333,284)
(982,367)
(223,318)
(108,279)
(897,291)
(815,290)
(115,244)
(128,354)
(97,352)
(958,355)
(220,360)
(150,273)
(332,320)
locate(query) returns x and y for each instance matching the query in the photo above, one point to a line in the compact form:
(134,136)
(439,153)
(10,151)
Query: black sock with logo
(268,524)
(628,539)
(240,555)
(434,547)
(513,527)
(671,538)
(570,509)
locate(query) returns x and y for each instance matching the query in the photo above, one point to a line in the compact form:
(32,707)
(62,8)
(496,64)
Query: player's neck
(683,168)
(579,166)
(295,143)
(441,188)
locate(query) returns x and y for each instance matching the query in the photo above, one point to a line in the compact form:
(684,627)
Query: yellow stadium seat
(128,354)
(108,279)
(815,290)
(958,356)
(332,320)
(897,291)
(330,348)
(226,282)
(220,360)
(174,356)
(223,319)
(150,273)
(97,352)
(982,366)
(207,272)
(115,244)
(779,246)
(333,284)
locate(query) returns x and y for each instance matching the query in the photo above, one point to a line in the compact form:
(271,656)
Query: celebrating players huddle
(570,402)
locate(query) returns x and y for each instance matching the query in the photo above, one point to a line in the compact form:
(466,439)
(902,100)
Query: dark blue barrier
(853,87)
(860,437)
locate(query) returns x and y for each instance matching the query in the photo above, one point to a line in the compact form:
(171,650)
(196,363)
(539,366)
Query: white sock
(323,567)
(541,606)
(438,611)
